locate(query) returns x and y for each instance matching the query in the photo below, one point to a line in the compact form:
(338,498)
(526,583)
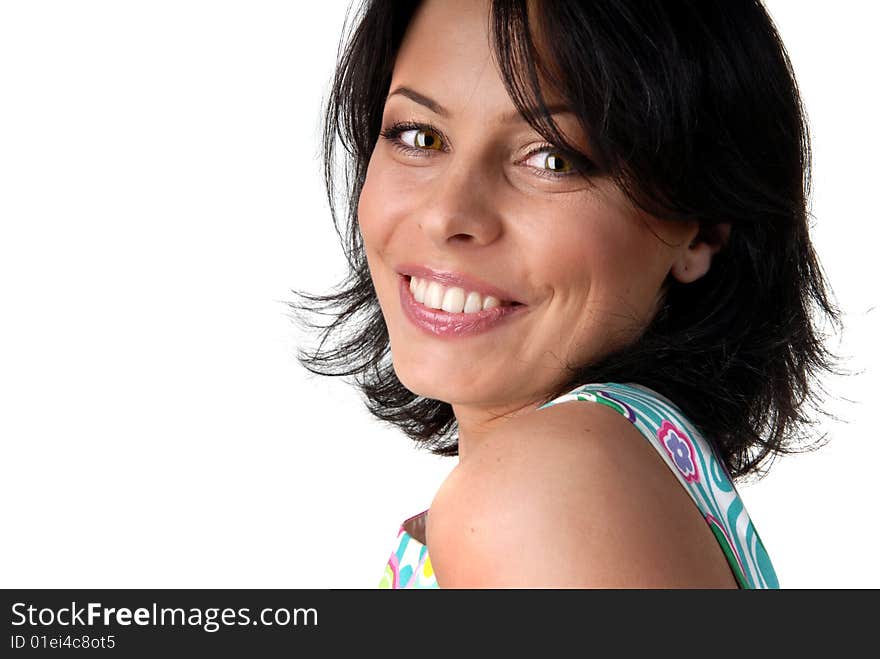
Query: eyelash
(392,134)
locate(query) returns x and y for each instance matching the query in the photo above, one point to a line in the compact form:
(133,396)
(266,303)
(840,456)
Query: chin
(423,381)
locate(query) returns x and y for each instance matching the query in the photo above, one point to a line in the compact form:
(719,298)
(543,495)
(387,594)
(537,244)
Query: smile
(472,313)
(453,299)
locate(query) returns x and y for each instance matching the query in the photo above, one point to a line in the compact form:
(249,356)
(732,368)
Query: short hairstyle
(693,111)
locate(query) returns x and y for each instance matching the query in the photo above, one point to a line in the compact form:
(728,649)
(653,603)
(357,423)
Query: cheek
(575,254)
(379,205)
(380,211)
(599,259)
(367,210)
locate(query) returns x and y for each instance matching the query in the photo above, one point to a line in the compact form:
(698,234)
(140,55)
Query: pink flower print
(680,449)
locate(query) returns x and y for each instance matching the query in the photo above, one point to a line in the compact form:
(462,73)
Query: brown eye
(549,162)
(425,138)
(556,164)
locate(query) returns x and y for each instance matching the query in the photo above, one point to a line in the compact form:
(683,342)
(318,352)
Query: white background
(161,192)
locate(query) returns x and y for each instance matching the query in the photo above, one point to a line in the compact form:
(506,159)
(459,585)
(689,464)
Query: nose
(461,208)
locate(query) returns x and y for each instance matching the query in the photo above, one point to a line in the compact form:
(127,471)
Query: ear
(694,260)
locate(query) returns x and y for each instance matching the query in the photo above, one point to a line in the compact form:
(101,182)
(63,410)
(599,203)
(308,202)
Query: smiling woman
(600,202)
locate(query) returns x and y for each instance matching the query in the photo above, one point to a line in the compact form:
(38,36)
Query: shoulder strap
(694,462)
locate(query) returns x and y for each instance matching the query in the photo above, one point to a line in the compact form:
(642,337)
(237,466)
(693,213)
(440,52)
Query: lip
(443,324)
(467,282)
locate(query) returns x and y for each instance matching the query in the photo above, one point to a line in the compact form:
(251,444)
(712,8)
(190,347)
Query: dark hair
(693,111)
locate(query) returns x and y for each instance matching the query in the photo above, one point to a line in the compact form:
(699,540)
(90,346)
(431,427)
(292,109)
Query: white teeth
(434,295)
(452,300)
(473,303)
(421,285)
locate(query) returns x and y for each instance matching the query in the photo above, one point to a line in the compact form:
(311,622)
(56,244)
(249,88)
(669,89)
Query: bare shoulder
(570,496)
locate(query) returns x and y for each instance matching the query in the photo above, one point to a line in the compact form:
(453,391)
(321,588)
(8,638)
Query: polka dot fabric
(409,565)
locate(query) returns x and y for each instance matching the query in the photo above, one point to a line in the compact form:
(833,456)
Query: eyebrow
(436,108)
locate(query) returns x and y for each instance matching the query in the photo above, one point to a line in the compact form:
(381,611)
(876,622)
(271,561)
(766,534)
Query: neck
(477,423)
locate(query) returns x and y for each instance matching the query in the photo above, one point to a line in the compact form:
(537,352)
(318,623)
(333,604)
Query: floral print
(687,453)
(680,449)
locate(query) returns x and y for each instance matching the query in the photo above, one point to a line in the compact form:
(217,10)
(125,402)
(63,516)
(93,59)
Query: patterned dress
(686,452)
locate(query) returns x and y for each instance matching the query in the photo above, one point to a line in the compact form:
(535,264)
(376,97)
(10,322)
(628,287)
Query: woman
(595,201)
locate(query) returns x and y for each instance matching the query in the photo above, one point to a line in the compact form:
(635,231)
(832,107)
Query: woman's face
(473,198)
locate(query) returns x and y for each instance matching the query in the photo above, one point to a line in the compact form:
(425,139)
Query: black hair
(693,110)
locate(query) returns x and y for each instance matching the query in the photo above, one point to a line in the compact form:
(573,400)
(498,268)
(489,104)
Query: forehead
(446,56)
(446,52)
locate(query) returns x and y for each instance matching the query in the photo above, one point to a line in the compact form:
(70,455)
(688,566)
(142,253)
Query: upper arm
(571,496)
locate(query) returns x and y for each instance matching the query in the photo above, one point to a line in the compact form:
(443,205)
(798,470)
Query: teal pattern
(689,455)
(695,463)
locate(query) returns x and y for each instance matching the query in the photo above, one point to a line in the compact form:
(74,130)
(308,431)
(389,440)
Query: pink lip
(450,325)
(467,282)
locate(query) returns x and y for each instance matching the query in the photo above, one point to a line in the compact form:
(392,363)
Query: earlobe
(695,260)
